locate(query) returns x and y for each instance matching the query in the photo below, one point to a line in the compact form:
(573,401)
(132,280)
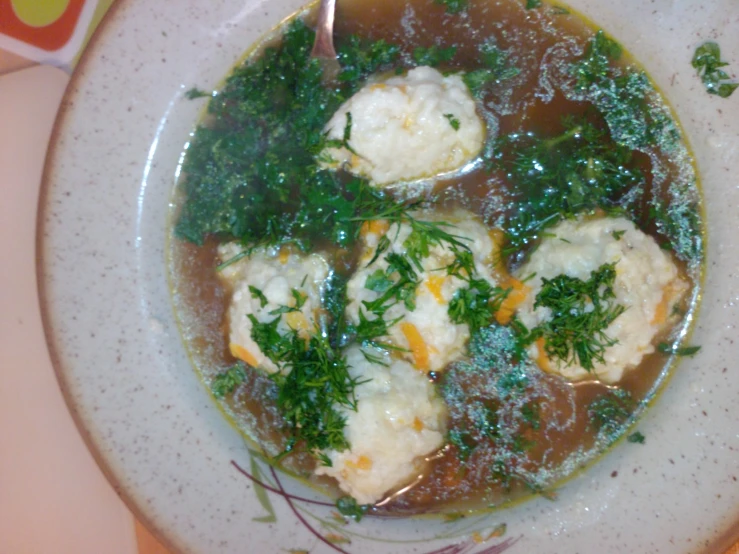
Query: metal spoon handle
(323,47)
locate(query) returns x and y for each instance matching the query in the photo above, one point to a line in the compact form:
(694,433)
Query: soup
(453,276)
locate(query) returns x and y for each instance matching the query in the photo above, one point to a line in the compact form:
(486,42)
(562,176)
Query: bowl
(163,443)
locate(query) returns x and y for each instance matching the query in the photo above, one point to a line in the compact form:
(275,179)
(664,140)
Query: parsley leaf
(707,60)
(226,382)
(636,437)
(258,294)
(453,121)
(348,506)
(531,4)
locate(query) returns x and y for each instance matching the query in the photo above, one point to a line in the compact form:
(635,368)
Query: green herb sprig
(581,312)
(453,6)
(558,177)
(226,382)
(610,412)
(495,69)
(707,61)
(433,55)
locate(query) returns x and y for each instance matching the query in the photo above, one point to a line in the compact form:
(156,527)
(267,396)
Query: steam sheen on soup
(451,277)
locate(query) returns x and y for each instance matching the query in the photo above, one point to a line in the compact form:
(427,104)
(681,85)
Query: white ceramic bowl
(164,445)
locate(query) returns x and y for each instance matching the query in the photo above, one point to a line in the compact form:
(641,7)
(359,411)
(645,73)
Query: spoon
(323,47)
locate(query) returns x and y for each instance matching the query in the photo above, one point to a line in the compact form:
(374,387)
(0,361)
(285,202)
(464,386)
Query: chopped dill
(559,177)
(347,506)
(453,6)
(495,69)
(610,412)
(226,382)
(581,312)
(433,55)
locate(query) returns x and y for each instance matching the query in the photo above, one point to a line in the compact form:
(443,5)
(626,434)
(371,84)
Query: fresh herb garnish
(453,6)
(595,67)
(476,303)
(679,220)
(194,93)
(610,411)
(531,4)
(347,506)
(492,403)
(433,55)
(496,69)
(259,295)
(359,58)
(581,312)
(299,298)
(226,382)
(625,98)
(665,348)
(312,384)
(636,437)
(618,234)
(267,336)
(453,121)
(559,177)
(252,173)
(707,60)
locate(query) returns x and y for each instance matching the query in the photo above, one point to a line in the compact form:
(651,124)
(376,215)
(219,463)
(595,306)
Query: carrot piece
(542,359)
(417,425)
(363,462)
(434,284)
(284,255)
(374,227)
(660,312)
(418,347)
(238,351)
(514,299)
(298,322)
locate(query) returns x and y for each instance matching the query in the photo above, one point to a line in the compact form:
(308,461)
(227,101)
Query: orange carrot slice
(434,284)
(238,351)
(514,299)
(418,347)
(542,359)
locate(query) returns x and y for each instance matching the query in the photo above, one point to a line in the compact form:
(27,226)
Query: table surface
(52,487)
(50,465)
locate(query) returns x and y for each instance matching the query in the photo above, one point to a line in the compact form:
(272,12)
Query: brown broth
(530,36)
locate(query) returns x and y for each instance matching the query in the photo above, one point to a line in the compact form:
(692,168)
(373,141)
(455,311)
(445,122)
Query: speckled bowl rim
(78,76)
(721,540)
